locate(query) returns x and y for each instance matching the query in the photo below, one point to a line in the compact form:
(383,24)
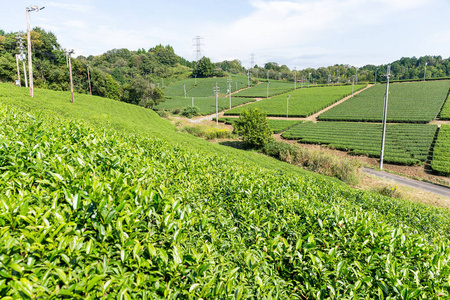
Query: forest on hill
(139,77)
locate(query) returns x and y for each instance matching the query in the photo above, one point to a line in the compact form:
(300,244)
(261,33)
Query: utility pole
(309,79)
(192,101)
(30,63)
(18,70)
(267,84)
(229,89)
(248,77)
(89,80)
(356,75)
(216,92)
(69,52)
(329,79)
(386,97)
(287,107)
(184,87)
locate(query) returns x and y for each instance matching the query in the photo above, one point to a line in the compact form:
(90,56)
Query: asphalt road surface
(425,186)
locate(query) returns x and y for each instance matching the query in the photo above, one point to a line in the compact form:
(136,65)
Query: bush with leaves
(253,128)
(190,111)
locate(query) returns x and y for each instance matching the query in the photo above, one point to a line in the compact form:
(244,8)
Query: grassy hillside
(88,211)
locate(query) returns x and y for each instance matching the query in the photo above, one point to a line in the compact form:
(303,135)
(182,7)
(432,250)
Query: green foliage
(253,127)
(87,212)
(141,92)
(190,111)
(276,126)
(405,144)
(204,67)
(418,102)
(302,102)
(441,152)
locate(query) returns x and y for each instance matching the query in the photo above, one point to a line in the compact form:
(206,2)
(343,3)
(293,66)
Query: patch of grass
(345,169)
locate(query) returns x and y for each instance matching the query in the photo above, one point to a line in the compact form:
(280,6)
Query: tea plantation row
(87,212)
(441,152)
(405,143)
(302,102)
(260,90)
(204,87)
(206,105)
(418,102)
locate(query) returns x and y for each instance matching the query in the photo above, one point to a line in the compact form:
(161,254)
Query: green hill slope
(89,211)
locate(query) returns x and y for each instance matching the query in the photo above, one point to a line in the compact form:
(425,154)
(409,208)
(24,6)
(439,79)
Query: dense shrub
(253,127)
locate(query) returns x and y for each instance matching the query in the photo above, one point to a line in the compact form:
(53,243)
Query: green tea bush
(89,212)
(190,111)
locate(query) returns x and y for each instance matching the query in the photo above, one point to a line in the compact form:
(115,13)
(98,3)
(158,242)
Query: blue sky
(297,33)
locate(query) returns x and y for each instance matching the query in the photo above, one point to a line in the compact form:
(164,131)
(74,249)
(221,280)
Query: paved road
(429,187)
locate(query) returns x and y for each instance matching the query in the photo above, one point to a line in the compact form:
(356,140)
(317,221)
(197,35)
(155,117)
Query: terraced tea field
(302,102)
(418,102)
(207,105)
(445,112)
(406,144)
(204,87)
(260,90)
(441,152)
(277,126)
